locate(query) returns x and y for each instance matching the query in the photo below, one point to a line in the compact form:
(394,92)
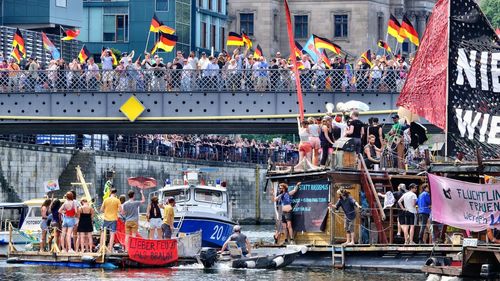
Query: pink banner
(465,205)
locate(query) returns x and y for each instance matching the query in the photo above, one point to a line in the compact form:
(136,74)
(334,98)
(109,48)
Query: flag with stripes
(408,31)
(18,41)
(234,39)
(84,54)
(16,54)
(367,56)
(49,46)
(384,46)
(323,43)
(258,52)
(297,49)
(325,59)
(246,40)
(70,34)
(166,42)
(393,28)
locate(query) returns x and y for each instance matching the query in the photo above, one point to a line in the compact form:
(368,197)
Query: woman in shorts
(153,215)
(70,211)
(44,226)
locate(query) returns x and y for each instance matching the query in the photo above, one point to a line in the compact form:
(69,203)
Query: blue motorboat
(199,206)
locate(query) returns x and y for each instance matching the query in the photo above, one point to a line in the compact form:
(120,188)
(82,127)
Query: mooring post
(257,194)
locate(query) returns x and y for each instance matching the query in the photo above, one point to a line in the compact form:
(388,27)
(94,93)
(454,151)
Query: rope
(337,216)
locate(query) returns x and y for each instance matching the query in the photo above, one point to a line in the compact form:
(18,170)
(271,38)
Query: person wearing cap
(408,203)
(131,212)
(168,218)
(110,208)
(348,205)
(240,239)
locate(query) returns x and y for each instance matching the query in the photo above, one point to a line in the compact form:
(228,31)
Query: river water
(196,272)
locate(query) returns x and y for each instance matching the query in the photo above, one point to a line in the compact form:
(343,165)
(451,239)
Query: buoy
(278,261)
(250,264)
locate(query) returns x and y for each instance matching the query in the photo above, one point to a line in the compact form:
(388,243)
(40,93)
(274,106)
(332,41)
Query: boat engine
(208,257)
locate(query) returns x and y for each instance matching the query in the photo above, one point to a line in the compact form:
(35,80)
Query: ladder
(338,256)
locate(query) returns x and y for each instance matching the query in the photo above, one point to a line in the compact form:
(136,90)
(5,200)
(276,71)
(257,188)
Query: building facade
(354,25)
(124,25)
(210,25)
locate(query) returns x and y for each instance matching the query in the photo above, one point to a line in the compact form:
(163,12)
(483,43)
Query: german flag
(16,54)
(368,57)
(18,41)
(258,52)
(298,49)
(70,34)
(393,29)
(166,43)
(166,29)
(408,31)
(384,45)
(84,54)
(323,43)
(155,24)
(246,40)
(234,39)
(325,59)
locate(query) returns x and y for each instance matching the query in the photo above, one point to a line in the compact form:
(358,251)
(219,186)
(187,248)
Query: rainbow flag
(49,46)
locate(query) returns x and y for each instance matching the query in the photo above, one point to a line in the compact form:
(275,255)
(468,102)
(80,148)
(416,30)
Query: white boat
(25,218)
(199,206)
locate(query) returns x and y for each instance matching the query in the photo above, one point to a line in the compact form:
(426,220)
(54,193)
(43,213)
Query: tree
(491,9)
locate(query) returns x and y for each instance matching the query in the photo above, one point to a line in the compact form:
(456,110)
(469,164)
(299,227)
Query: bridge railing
(189,81)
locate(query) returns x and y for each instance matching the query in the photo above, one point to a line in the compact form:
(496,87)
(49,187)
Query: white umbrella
(352,105)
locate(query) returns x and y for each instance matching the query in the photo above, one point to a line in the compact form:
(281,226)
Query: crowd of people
(69,224)
(230,72)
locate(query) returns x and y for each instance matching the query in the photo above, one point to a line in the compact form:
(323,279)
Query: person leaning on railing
(14,72)
(92,75)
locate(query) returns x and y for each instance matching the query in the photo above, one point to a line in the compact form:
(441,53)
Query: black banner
(473,82)
(310,205)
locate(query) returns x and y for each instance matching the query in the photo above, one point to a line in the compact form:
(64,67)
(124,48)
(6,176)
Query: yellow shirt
(111,206)
(168,215)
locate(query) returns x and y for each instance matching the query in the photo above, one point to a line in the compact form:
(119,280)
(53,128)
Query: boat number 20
(218,230)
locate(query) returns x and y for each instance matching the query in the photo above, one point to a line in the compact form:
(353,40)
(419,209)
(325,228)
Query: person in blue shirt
(284,198)
(424,211)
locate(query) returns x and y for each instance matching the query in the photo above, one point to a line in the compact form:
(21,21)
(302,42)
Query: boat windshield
(12,214)
(179,195)
(210,196)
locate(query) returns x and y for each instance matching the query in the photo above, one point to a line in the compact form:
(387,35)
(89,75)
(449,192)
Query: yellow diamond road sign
(132,108)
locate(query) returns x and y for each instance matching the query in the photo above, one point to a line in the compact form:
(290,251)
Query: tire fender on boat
(278,261)
(88,259)
(250,264)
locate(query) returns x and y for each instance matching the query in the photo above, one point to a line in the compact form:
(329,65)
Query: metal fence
(142,144)
(134,79)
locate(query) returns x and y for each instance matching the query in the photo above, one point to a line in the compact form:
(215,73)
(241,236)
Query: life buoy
(491,237)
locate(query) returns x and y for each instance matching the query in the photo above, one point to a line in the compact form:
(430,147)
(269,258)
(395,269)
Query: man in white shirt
(203,62)
(408,203)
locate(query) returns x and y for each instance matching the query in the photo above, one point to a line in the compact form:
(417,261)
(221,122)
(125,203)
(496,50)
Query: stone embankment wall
(24,168)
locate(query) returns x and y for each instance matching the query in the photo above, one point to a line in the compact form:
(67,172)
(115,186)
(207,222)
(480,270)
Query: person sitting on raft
(240,239)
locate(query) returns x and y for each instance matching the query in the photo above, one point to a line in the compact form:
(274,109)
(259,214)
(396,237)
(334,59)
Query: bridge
(182,101)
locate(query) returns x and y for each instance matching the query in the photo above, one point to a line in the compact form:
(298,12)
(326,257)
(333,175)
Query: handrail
(162,80)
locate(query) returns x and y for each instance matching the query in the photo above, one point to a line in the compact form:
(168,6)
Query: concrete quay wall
(24,168)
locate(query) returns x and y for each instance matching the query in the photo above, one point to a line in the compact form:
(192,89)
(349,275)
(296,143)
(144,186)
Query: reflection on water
(195,272)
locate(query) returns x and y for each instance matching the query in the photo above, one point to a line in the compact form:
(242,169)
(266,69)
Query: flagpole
(147,41)
(61,41)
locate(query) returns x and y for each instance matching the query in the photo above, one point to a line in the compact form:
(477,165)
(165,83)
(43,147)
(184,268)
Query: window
(210,196)
(162,5)
(300,26)
(210,6)
(115,24)
(276,27)
(200,3)
(179,195)
(222,37)
(61,3)
(219,6)
(203,40)
(246,24)
(212,35)
(341,26)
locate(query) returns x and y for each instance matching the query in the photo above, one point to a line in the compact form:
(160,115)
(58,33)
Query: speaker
(345,144)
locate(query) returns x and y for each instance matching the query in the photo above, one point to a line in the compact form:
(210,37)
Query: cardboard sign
(465,205)
(51,185)
(153,252)
(311,205)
